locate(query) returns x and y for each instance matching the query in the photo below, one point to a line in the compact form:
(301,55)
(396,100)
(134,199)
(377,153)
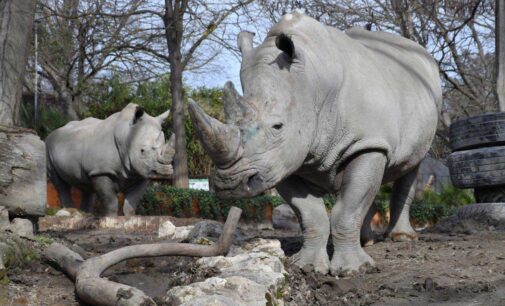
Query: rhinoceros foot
(350,262)
(318,258)
(403,236)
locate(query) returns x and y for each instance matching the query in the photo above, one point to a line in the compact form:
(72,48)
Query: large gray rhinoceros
(108,156)
(326,111)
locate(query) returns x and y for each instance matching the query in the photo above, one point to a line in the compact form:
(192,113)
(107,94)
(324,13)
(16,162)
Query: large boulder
(251,274)
(23,185)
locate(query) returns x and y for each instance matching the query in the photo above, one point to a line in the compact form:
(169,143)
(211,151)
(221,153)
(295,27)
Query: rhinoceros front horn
(221,141)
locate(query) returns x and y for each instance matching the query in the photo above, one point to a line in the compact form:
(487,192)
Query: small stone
(208,229)
(429,284)
(63,213)
(22,227)
(182,232)
(166,230)
(283,217)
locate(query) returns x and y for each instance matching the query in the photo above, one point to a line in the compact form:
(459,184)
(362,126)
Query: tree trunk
(23,184)
(173,20)
(16,19)
(70,106)
(500,54)
(181,155)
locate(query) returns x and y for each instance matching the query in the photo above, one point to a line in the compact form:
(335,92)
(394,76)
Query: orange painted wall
(52,196)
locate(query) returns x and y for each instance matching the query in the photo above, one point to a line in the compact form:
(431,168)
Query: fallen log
(98,291)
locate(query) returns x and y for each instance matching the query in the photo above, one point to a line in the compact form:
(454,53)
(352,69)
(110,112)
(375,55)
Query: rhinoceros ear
(285,44)
(161,118)
(171,141)
(139,112)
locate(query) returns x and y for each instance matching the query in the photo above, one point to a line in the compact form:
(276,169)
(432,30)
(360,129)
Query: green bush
(211,207)
(47,121)
(434,206)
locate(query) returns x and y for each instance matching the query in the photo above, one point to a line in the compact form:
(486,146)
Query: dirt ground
(460,267)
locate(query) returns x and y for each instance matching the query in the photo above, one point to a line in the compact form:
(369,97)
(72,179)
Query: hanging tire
(483,167)
(478,131)
(490,194)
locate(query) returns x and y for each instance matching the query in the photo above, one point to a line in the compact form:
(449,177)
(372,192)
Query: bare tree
(187,35)
(16,21)
(80,41)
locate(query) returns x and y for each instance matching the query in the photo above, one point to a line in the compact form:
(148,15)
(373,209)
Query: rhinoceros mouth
(251,184)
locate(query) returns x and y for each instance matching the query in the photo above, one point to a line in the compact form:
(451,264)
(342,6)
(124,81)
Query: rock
(23,181)
(208,229)
(4,217)
(182,232)
(166,229)
(63,213)
(283,217)
(269,246)
(252,274)
(259,267)
(22,227)
(233,290)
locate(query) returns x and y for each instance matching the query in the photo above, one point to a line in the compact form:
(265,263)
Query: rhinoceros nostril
(254,182)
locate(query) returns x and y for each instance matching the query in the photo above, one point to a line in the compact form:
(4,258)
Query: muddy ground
(460,267)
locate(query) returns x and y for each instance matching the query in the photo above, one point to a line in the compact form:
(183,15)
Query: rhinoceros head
(141,142)
(269,130)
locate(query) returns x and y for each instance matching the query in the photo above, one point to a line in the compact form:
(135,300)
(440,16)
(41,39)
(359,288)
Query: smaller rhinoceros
(105,157)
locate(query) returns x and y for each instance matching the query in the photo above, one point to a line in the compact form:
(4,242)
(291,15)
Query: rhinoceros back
(81,148)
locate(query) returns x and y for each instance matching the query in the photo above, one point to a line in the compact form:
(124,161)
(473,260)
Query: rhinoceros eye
(142,151)
(278,126)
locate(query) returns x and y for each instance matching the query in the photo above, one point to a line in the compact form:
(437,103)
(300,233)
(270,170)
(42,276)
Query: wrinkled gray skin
(326,111)
(104,157)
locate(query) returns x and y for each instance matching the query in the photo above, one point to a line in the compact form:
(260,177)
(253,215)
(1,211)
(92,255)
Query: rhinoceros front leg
(314,222)
(133,197)
(106,191)
(361,180)
(404,188)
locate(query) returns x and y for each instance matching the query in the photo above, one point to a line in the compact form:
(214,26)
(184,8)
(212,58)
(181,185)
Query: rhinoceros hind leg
(314,222)
(106,190)
(362,178)
(399,228)
(367,234)
(63,189)
(133,197)
(87,201)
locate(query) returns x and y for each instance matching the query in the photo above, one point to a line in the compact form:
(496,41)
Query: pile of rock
(252,274)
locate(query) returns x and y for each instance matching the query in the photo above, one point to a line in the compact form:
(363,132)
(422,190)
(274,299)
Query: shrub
(180,203)
(434,206)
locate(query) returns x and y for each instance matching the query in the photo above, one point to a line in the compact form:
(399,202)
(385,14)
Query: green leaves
(166,199)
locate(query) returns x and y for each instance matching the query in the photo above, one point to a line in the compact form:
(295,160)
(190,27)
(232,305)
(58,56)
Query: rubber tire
(489,211)
(478,131)
(483,167)
(490,194)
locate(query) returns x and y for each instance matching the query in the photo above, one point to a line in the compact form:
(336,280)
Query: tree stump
(23,183)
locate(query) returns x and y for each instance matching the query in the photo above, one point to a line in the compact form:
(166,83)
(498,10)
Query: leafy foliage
(434,206)
(166,199)
(47,121)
